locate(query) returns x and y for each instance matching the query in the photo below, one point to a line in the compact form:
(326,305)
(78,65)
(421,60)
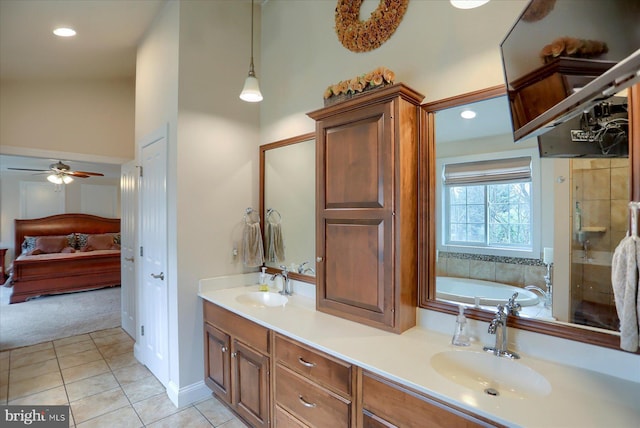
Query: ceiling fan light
(66,179)
(54,178)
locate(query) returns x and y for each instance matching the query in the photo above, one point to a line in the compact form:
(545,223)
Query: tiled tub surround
(97,375)
(517,272)
(579,397)
(505,270)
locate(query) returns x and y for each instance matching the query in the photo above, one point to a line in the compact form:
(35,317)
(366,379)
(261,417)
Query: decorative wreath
(364,36)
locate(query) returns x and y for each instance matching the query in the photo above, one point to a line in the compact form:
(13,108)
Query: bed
(86,267)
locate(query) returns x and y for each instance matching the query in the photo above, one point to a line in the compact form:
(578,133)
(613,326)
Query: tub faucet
(287,290)
(303,270)
(546,295)
(498,326)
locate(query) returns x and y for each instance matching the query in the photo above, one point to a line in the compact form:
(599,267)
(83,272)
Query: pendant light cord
(251,71)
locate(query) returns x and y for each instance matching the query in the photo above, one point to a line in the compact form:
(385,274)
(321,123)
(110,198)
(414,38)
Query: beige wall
(213,153)
(437,49)
(91,117)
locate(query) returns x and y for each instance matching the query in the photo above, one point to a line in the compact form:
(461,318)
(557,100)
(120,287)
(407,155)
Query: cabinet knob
(305,403)
(224,349)
(233,354)
(319,259)
(305,363)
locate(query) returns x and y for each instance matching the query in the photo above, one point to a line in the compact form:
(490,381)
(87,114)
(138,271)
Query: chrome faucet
(287,289)
(303,270)
(498,326)
(546,295)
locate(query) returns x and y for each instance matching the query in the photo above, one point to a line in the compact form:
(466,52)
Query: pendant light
(251,90)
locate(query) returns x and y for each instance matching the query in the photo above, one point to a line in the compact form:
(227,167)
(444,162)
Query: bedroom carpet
(55,317)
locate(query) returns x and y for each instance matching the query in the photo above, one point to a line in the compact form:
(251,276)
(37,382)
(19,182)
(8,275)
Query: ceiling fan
(60,173)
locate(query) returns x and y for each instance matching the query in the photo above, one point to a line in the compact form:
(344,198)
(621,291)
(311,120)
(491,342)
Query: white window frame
(534,252)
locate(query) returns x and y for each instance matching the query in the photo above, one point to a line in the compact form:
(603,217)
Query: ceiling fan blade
(29,169)
(97,174)
(78,174)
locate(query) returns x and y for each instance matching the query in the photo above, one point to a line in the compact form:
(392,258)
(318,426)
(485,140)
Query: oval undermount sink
(486,372)
(262,299)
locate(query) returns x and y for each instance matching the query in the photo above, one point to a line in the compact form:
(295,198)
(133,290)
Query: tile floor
(105,386)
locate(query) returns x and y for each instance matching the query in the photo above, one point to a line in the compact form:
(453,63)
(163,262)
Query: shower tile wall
(601,187)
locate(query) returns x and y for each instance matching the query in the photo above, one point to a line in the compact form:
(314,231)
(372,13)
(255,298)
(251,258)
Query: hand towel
(252,250)
(625,283)
(275,242)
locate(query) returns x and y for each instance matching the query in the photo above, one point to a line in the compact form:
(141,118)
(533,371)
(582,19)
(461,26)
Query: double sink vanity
(276,361)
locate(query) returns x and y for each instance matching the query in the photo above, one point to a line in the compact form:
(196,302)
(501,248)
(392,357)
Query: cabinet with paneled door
(237,363)
(312,388)
(366,208)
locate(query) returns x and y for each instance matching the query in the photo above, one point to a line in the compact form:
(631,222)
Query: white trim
(536,209)
(190,394)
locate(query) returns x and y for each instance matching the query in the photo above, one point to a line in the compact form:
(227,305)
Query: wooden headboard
(63,224)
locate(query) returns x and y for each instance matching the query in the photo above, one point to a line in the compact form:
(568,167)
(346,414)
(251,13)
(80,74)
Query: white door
(154,332)
(129,206)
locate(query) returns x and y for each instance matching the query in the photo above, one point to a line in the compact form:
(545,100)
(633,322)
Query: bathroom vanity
(314,369)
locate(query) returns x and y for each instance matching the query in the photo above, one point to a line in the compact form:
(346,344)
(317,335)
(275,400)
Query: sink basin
(262,299)
(494,375)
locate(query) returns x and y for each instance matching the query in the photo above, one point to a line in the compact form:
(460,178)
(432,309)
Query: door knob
(160,276)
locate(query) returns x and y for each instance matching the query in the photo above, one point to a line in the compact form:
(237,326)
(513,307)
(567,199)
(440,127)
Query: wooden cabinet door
(217,362)
(355,209)
(251,384)
(366,208)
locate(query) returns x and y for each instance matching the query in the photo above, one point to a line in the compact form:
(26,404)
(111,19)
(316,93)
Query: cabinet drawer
(385,403)
(286,420)
(310,403)
(235,325)
(327,371)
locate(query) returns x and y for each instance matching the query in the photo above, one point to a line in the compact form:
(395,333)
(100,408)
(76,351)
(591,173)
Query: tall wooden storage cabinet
(366,208)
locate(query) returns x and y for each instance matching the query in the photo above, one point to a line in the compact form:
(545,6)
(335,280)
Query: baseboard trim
(189,394)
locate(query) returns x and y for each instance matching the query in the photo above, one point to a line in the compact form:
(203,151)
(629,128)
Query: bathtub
(464,290)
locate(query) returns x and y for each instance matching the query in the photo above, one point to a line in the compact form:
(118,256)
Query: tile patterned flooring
(105,386)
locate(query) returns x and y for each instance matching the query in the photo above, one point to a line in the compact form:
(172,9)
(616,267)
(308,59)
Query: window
(488,204)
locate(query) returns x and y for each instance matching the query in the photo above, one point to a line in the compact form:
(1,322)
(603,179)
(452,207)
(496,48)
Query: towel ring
(250,215)
(271,211)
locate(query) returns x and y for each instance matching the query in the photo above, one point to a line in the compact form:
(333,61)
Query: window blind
(488,171)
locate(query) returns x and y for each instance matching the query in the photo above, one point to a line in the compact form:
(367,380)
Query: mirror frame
(263,151)
(426,221)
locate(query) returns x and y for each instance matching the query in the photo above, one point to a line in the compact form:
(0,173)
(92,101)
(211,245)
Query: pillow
(29,243)
(102,241)
(81,240)
(50,244)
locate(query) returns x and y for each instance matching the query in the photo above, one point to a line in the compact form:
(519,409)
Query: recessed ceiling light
(64,32)
(468,114)
(468,4)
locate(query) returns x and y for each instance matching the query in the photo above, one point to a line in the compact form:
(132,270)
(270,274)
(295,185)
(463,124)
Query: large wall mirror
(560,219)
(287,205)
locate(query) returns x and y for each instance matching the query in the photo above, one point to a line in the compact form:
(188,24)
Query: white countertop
(578,397)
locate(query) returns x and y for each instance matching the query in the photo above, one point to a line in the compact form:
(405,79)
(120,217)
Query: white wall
(94,117)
